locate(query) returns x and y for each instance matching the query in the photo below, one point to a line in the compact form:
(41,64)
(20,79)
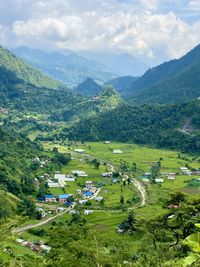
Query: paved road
(136,183)
(30,226)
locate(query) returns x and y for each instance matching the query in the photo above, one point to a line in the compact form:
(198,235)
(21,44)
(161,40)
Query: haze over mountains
(73,68)
(173,81)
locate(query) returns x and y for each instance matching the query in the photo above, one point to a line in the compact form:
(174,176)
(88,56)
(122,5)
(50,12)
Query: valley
(102,174)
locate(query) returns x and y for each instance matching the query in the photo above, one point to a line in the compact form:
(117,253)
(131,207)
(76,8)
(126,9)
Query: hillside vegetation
(23,71)
(70,69)
(154,125)
(173,81)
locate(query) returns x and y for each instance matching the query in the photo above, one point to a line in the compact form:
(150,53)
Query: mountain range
(173,81)
(70,69)
(172,87)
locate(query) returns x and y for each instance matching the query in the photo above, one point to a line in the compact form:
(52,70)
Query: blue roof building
(50,198)
(63,198)
(88,194)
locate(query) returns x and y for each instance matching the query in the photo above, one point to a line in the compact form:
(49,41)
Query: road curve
(30,226)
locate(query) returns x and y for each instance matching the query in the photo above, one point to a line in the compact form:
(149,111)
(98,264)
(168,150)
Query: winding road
(136,183)
(30,226)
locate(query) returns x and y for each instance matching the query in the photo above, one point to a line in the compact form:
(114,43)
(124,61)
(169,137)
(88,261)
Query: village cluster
(36,247)
(147,177)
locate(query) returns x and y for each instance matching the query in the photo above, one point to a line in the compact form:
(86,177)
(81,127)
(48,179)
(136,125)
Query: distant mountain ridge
(176,80)
(71,69)
(122,64)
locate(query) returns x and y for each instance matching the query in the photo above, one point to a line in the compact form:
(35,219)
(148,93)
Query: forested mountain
(88,88)
(23,71)
(15,159)
(123,84)
(70,69)
(156,125)
(16,94)
(122,64)
(107,99)
(176,80)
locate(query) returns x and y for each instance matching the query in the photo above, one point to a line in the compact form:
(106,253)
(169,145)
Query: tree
(27,207)
(96,163)
(134,167)
(122,200)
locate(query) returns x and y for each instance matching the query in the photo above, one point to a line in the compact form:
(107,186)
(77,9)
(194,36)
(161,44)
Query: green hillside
(108,99)
(173,81)
(70,69)
(23,71)
(167,126)
(88,88)
(123,84)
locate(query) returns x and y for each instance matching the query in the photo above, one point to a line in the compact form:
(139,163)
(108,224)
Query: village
(83,188)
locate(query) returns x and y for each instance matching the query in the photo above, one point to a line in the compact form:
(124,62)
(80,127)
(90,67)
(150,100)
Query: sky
(154,30)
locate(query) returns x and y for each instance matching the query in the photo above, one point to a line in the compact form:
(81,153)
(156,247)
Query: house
(185,171)
(79,173)
(45,248)
(64,198)
(121,230)
(50,198)
(60,209)
(87,194)
(107,174)
(88,185)
(171,176)
(70,178)
(159,180)
(87,212)
(58,176)
(82,201)
(52,184)
(81,151)
(173,206)
(117,151)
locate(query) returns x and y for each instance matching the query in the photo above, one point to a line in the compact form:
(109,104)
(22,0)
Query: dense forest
(155,125)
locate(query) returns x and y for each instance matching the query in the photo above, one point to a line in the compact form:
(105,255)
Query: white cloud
(140,27)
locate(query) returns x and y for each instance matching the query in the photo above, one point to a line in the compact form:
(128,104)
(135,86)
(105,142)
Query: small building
(87,194)
(45,248)
(159,180)
(50,198)
(79,191)
(88,185)
(171,176)
(52,184)
(78,150)
(117,151)
(147,174)
(58,176)
(121,230)
(64,198)
(107,142)
(107,174)
(88,212)
(79,173)
(82,201)
(60,209)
